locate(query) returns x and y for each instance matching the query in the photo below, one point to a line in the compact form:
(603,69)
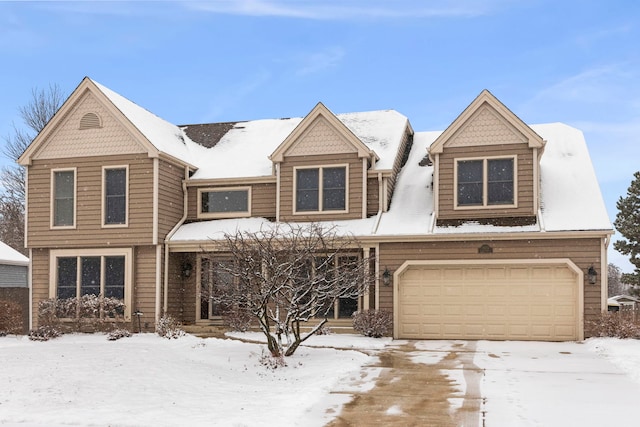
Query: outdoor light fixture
(386,277)
(186,269)
(592,274)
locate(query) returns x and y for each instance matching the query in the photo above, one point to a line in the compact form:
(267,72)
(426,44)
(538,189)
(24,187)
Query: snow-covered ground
(146,380)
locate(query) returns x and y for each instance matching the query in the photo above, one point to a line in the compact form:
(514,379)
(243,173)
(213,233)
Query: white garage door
(499,302)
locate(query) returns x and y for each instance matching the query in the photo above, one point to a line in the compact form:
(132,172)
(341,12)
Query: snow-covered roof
(570,197)
(8,255)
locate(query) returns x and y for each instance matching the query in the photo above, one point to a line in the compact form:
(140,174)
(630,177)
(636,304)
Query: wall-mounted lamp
(186,269)
(386,277)
(592,275)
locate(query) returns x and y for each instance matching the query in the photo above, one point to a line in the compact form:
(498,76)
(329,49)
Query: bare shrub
(372,323)
(615,324)
(168,327)
(44,333)
(238,319)
(10,317)
(272,362)
(116,334)
(88,313)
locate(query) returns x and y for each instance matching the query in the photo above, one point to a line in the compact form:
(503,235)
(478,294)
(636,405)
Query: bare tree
(285,276)
(35,115)
(614,278)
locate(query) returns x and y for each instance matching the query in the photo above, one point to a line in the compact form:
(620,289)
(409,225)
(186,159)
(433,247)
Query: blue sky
(572,61)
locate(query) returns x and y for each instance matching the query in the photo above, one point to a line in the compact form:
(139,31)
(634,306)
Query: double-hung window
(224,202)
(63,198)
(115,190)
(321,189)
(485,182)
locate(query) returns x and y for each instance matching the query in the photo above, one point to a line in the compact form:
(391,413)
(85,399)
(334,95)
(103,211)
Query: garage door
(498,302)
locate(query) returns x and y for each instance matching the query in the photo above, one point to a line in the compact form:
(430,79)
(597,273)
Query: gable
(320,138)
(486,121)
(485,127)
(88,128)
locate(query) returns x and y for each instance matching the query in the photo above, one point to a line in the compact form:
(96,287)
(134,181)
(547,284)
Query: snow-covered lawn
(146,380)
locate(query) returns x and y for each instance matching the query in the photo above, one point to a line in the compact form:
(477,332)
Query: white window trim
(128,270)
(485,183)
(234,214)
(320,210)
(103,217)
(53,200)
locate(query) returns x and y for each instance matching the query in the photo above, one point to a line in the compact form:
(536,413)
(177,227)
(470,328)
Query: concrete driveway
(493,383)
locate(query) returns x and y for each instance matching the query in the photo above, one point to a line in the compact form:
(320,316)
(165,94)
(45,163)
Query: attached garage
(504,300)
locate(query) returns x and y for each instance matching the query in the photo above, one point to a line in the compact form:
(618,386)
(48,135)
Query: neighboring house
(492,229)
(623,302)
(14,284)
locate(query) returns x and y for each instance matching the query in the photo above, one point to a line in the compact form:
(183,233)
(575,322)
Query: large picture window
(115,196)
(485,182)
(63,198)
(321,189)
(91,272)
(224,202)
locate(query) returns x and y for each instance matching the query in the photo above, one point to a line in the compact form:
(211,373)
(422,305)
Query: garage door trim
(477,262)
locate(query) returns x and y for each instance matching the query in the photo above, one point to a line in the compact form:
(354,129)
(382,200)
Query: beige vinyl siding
(354,188)
(373,196)
(144,285)
(88,231)
(524,190)
(583,252)
(170,197)
(39,280)
(263,199)
(182,302)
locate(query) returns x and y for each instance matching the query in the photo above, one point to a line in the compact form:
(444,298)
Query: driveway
(493,383)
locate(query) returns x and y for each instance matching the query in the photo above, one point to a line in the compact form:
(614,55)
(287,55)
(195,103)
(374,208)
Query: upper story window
(224,202)
(63,198)
(485,182)
(321,189)
(115,191)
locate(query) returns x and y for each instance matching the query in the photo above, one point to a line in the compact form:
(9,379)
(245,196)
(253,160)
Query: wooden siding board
(170,197)
(263,199)
(89,231)
(583,252)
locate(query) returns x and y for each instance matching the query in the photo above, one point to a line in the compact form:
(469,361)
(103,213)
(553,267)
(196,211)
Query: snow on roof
(8,255)
(571,199)
(166,137)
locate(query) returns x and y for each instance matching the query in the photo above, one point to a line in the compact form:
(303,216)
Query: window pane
(222,281)
(115,196)
(63,204)
(500,185)
(225,201)
(333,188)
(470,182)
(90,280)
(346,307)
(307,190)
(67,277)
(114,277)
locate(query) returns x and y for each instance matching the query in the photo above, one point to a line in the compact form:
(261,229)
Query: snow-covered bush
(116,334)
(10,318)
(44,333)
(238,319)
(615,324)
(372,323)
(324,330)
(88,313)
(168,327)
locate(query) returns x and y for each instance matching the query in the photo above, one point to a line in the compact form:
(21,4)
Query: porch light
(386,277)
(186,269)
(592,275)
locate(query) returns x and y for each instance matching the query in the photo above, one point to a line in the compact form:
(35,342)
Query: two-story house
(492,229)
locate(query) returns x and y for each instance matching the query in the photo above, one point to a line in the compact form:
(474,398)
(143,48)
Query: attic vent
(90,121)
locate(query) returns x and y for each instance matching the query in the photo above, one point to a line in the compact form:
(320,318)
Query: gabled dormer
(321,170)
(486,166)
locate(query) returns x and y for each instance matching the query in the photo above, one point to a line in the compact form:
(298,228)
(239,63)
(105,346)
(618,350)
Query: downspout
(185,211)
(364,188)
(379,214)
(30,285)
(277,170)
(156,184)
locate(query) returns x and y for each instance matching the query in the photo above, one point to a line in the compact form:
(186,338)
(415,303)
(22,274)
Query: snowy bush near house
(238,319)
(116,334)
(44,333)
(372,323)
(168,327)
(615,325)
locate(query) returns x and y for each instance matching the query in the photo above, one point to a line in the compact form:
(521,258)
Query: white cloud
(320,61)
(348,9)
